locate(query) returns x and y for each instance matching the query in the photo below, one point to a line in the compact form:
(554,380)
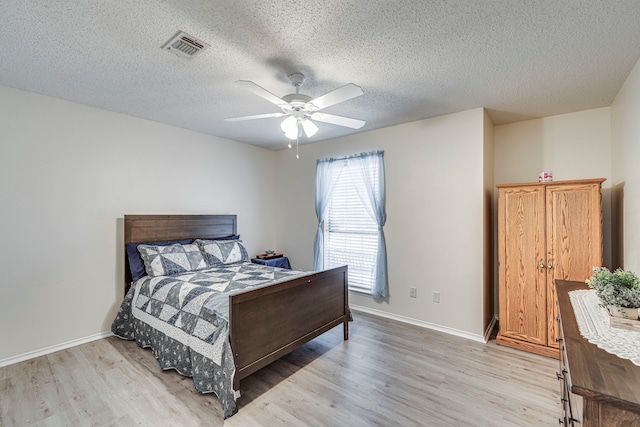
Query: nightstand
(281,262)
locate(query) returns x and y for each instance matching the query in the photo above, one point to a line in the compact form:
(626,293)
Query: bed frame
(264,323)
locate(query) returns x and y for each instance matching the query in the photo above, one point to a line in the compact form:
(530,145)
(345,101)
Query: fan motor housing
(297,97)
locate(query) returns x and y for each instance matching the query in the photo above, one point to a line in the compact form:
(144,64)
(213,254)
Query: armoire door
(574,240)
(522,272)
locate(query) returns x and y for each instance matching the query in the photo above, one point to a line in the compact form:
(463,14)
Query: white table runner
(593,322)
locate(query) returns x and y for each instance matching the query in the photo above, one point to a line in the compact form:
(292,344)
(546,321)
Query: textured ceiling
(414,59)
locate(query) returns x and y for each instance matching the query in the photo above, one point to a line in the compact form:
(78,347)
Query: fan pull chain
(297,145)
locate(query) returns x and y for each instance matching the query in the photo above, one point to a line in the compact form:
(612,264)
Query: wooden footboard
(269,322)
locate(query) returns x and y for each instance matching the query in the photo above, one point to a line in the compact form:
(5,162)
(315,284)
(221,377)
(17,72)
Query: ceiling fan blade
(338,120)
(256,116)
(343,93)
(262,92)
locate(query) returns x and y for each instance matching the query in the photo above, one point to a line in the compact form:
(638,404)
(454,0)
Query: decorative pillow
(166,260)
(220,252)
(136,264)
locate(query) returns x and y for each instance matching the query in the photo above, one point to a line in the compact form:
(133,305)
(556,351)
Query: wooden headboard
(154,228)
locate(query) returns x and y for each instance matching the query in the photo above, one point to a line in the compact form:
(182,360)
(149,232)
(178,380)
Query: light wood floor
(387,374)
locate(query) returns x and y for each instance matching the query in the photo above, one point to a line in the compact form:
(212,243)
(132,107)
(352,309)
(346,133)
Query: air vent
(184,45)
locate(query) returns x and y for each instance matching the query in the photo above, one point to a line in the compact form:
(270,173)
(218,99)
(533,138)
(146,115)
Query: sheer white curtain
(328,172)
(370,166)
(365,168)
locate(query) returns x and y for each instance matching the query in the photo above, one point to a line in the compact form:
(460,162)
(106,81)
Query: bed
(263,323)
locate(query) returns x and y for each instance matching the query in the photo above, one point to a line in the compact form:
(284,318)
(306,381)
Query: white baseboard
(53,349)
(450,331)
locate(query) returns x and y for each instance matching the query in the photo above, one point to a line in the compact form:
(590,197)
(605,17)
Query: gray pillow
(172,259)
(221,252)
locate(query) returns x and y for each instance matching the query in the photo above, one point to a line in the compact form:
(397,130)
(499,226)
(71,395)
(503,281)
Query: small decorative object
(619,292)
(545,176)
(269,254)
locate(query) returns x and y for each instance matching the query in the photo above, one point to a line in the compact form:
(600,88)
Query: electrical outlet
(436,297)
(413,292)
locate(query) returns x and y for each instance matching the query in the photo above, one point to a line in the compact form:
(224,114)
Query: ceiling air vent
(184,45)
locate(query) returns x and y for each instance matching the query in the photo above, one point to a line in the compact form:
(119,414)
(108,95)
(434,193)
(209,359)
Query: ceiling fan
(302,109)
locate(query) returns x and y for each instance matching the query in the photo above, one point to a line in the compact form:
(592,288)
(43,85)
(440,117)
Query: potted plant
(619,291)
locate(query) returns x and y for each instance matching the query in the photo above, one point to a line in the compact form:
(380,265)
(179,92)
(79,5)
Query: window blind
(351,234)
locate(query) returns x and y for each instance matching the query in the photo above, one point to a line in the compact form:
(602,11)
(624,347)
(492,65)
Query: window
(351,234)
(350,208)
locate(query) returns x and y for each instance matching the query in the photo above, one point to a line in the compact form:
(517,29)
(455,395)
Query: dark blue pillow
(136,264)
(235,237)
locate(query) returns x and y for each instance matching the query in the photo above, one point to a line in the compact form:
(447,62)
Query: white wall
(434,230)
(68,174)
(572,146)
(625,123)
(490,232)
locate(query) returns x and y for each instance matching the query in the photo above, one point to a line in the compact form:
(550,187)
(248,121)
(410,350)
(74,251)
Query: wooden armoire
(546,231)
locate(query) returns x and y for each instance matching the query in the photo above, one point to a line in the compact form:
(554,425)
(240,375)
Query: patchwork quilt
(184,319)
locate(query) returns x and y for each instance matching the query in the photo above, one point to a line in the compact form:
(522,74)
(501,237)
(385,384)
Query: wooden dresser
(598,388)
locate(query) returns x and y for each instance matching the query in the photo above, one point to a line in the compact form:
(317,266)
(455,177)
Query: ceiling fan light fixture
(309,127)
(291,135)
(290,127)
